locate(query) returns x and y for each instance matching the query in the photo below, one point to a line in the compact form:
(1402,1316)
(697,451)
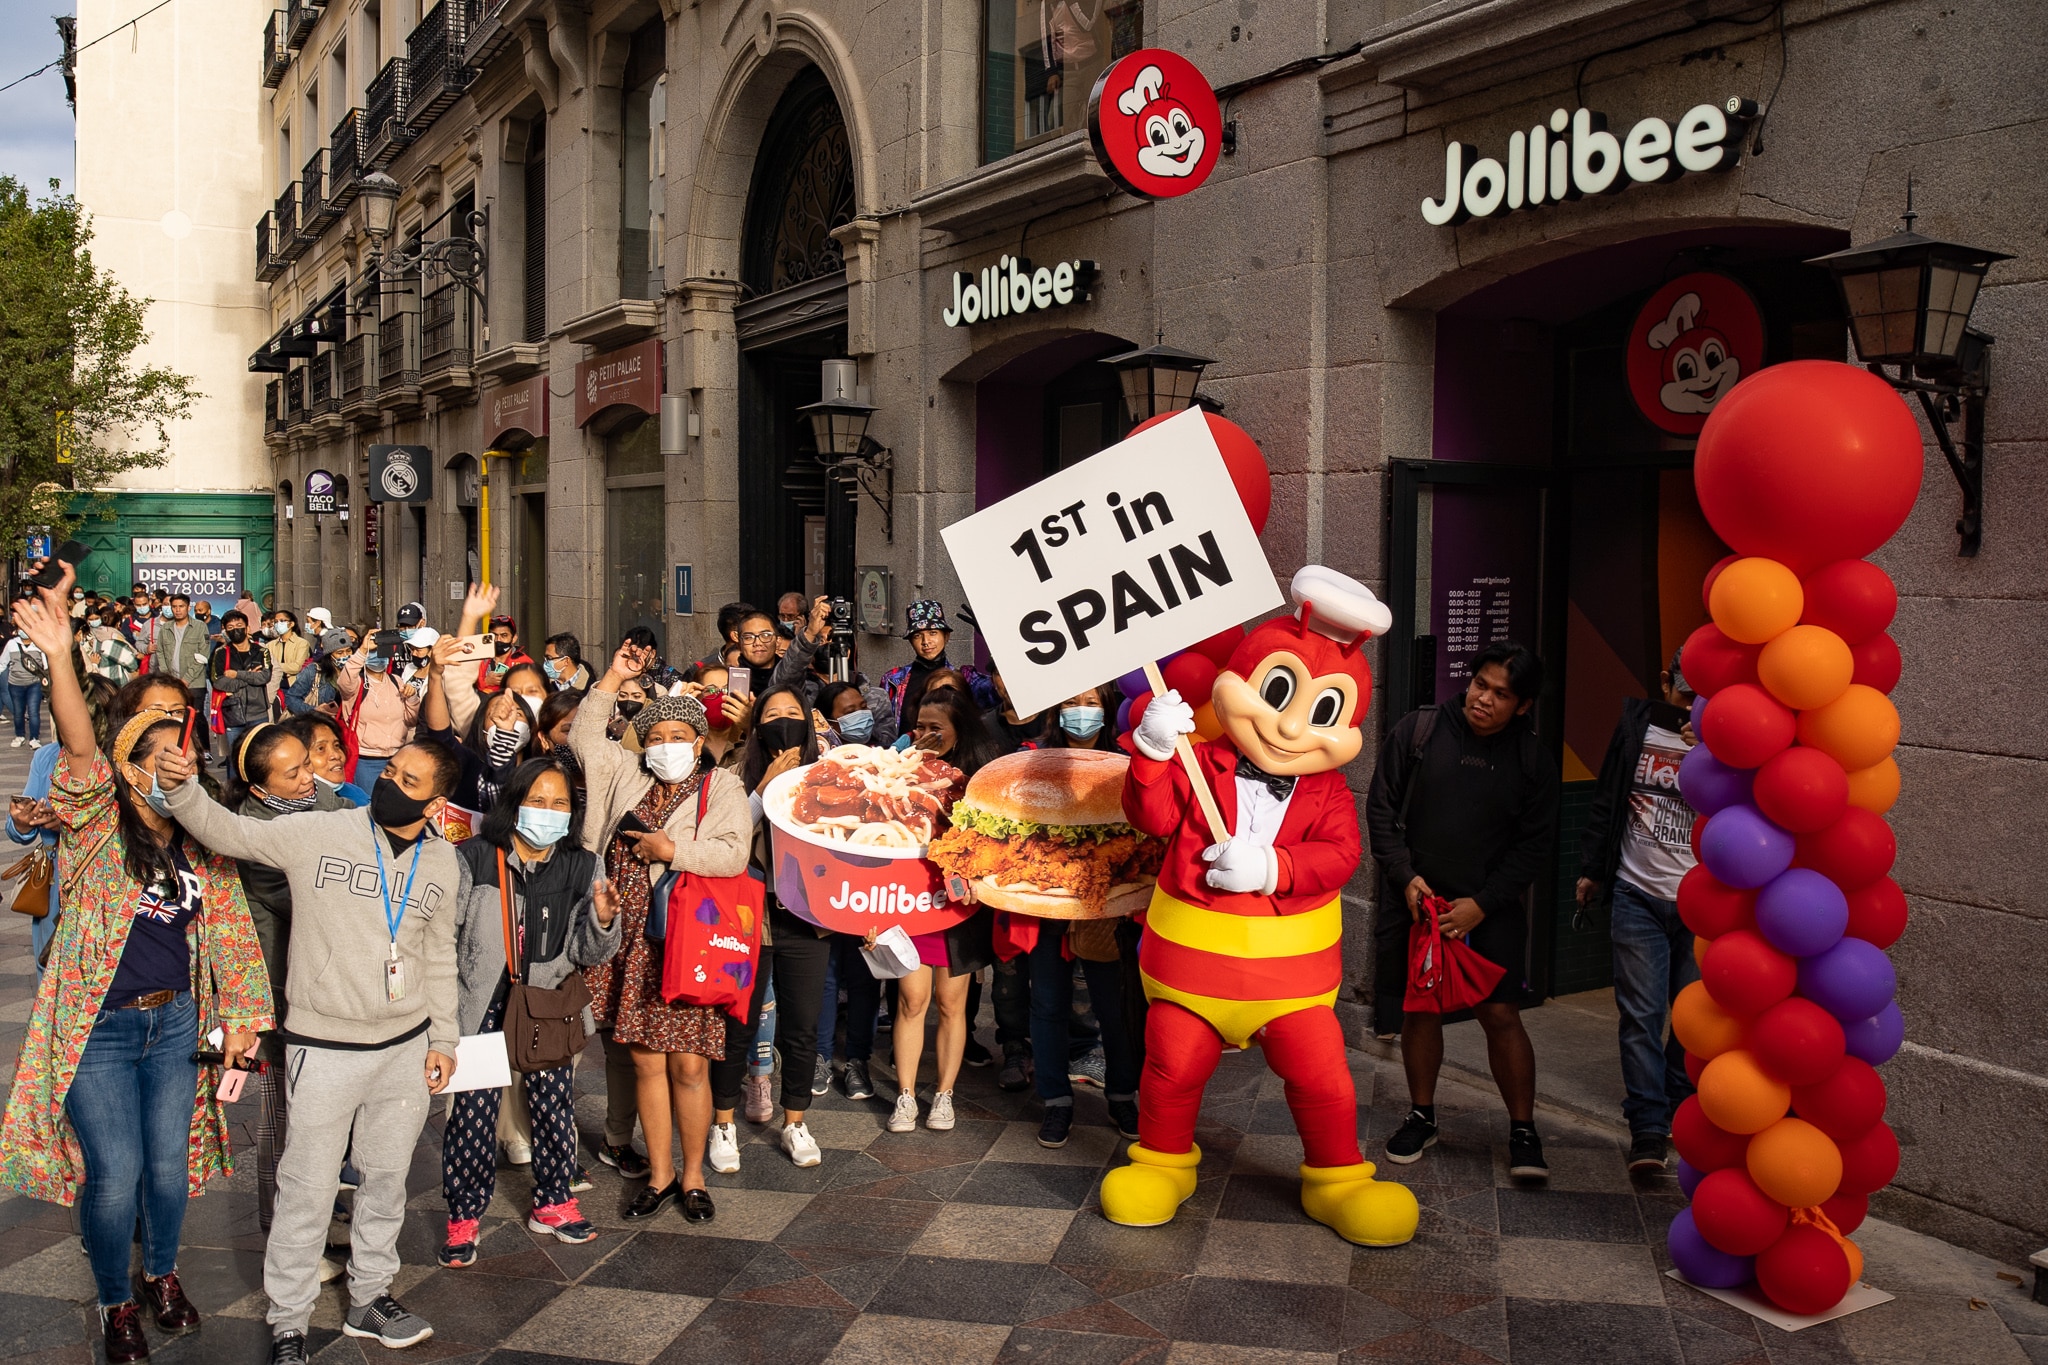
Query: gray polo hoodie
(334,991)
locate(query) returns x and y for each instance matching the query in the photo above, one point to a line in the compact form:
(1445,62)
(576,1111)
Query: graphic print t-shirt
(1656,852)
(158,956)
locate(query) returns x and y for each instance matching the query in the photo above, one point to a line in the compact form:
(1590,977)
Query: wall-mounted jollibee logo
(1693,341)
(1155,124)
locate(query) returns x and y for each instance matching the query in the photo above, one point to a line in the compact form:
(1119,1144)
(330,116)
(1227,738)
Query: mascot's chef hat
(1334,615)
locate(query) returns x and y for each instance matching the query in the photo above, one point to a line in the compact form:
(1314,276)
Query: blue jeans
(25,706)
(131,1106)
(1052,1008)
(845,966)
(1653,962)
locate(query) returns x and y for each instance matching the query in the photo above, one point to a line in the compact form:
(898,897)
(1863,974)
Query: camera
(832,658)
(842,616)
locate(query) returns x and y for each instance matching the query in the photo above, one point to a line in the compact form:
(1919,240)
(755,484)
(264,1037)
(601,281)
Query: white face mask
(532,703)
(671,762)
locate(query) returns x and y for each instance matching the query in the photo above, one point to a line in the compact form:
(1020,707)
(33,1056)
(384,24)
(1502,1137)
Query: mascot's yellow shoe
(1152,1188)
(1372,1213)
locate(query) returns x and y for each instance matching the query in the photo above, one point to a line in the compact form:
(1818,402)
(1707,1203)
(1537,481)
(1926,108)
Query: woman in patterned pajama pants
(469,1148)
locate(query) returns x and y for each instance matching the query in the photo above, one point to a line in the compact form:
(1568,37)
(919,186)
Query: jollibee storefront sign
(852,889)
(1154,124)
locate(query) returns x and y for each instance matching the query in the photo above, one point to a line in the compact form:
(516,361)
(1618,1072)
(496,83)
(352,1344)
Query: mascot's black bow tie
(1281,787)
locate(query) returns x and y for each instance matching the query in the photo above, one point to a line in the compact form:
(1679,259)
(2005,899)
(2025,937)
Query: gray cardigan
(480,927)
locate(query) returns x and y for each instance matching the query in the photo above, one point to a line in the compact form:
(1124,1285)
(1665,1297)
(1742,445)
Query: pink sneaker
(460,1249)
(760,1099)
(564,1221)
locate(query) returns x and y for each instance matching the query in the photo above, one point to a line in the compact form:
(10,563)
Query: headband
(131,733)
(242,749)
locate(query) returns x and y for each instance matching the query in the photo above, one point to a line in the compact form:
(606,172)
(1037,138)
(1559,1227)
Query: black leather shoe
(697,1206)
(173,1312)
(121,1327)
(651,1201)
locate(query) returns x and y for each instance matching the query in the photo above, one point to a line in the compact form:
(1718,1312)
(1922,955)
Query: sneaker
(940,1119)
(1416,1133)
(758,1099)
(821,1076)
(350,1178)
(288,1348)
(518,1153)
(976,1054)
(903,1119)
(1016,1072)
(1089,1069)
(801,1146)
(15,743)
(565,1221)
(460,1248)
(1124,1114)
(580,1181)
(724,1150)
(1647,1153)
(1054,1127)
(385,1321)
(1525,1154)
(624,1160)
(854,1080)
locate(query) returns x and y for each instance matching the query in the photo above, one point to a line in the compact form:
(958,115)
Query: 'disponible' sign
(1096,570)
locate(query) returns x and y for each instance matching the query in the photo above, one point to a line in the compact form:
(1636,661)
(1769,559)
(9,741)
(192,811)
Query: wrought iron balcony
(447,337)
(317,208)
(345,160)
(436,60)
(387,106)
(273,412)
(299,22)
(320,395)
(285,217)
(269,264)
(295,396)
(358,374)
(487,30)
(398,354)
(277,58)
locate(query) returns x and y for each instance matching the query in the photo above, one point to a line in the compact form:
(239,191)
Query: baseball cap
(410,615)
(423,638)
(322,615)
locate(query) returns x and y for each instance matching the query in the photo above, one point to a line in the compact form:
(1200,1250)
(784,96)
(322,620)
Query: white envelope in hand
(481,1063)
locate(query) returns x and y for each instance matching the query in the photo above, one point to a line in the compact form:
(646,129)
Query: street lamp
(839,424)
(379,193)
(1157,379)
(1908,299)
(460,257)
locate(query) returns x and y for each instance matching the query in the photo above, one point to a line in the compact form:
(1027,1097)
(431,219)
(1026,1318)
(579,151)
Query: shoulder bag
(543,1029)
(36,868)
(351,742)
(710,932)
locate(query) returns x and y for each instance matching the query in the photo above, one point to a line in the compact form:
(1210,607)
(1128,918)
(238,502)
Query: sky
(35,122)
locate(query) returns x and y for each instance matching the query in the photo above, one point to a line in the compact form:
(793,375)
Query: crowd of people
(330,853)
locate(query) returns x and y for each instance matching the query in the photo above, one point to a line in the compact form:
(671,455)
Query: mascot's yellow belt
(1241,972)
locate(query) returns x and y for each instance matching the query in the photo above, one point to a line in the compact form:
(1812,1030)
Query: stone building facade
(686,208)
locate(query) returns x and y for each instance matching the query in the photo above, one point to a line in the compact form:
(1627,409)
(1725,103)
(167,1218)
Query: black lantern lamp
(1908,300)
(459,256)
(1157,379)
(839,425)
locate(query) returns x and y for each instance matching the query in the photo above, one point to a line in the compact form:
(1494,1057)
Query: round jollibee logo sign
(1155,124)
(1696,338)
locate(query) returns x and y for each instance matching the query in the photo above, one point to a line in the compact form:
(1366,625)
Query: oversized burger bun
(1125,899)
(1052,787)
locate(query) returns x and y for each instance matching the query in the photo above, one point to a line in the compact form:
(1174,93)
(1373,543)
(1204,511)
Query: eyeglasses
(756,637)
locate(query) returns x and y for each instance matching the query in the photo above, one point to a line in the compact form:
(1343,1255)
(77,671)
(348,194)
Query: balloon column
(1804,469)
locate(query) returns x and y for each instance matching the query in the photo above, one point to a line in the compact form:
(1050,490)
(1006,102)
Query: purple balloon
(1709,785)
(1801,912)
(1852,980)
(1701,1262)
(1699,708)
(1743,849)
(1133,682)
(1877,1038)
(1123,715)
(1689,1176)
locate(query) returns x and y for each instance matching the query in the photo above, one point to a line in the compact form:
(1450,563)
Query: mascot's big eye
(1687,367)
(1181,126)
(1711,354)
(1157,131)
(1328,705)
(1278,688)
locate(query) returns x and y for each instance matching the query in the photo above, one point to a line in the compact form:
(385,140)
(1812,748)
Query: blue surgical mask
(155,798)
(856,725)
(1082,722)
(542,828)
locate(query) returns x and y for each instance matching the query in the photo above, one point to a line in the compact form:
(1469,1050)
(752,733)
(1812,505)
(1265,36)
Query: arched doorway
(1041,403)
(796,530)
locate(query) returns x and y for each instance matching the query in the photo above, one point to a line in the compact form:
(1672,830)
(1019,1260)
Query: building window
(641,153)
(636,543)
(1041,61)
(534,325)
(803,188)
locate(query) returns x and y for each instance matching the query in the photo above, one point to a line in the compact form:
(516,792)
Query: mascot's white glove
(1235,865)
(1166,719)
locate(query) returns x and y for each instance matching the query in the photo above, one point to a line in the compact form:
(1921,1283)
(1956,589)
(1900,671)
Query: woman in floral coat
(154,950)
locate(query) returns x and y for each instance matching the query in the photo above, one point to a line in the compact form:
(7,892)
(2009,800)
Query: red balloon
(1711,908)
(1851,597)
(1704,1144)
(1695,1067)
(1808,462)
(1242,457)
(1846,1104)
(1802,790)
(1707,586)
(1797,1041)
(1699,832)
(1877,912)
(1744,725)
(1746,975)
(1869,1162)
(1847,1211)
(1216,649)
(1805,1271)
(1734,1215)
(1853,852)
(1877,663)
(1193,676)
(1711,661)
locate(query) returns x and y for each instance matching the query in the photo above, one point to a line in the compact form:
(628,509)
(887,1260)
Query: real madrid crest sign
(402,473)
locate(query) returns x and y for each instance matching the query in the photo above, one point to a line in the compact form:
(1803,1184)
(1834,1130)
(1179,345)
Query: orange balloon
(1855,1255)
(1858,729)
(1699,950)
(1795,1163)
(1754,600)
(1703,1027)
(1806,667)
(1875,788)
(1740,1096)
(1206,724)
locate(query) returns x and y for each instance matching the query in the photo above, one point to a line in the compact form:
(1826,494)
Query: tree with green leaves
(75,408)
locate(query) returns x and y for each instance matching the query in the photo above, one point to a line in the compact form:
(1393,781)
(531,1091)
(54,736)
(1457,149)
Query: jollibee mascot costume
(1242,938)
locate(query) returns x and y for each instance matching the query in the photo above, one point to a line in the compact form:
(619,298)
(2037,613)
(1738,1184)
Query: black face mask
(392,808)
(628,709)
(786,733)
(501,647)
(238,635)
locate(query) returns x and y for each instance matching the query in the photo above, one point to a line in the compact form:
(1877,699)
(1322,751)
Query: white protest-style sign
(1112,563)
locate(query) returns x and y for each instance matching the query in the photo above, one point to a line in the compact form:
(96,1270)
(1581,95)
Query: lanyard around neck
(391,919)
